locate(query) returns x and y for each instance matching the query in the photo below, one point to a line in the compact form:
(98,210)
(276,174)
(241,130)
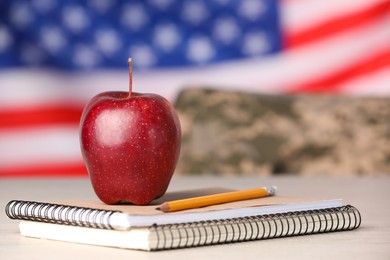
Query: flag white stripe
(39,146)
(377,82)
(28,88)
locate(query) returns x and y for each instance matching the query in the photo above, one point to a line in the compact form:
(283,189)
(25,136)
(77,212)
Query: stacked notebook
(146,228)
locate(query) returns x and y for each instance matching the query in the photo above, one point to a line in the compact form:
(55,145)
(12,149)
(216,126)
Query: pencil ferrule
(271,190)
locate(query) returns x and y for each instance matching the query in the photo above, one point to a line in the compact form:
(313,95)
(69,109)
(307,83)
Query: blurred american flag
(55,55)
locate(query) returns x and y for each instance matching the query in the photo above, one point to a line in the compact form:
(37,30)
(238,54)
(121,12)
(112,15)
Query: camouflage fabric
(250,134)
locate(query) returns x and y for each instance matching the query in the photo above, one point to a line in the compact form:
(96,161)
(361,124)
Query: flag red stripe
(40,116)
(331,83)
(337,25)
(52,170)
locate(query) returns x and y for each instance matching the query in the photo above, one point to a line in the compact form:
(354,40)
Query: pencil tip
(158,208)
(164,207)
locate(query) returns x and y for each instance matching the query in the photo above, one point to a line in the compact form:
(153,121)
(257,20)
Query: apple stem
(130,76)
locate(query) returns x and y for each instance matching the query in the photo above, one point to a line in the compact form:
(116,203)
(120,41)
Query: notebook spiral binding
(59,214)
(255,228)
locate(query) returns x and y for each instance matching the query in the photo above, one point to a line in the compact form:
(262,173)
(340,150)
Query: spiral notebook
(145,228)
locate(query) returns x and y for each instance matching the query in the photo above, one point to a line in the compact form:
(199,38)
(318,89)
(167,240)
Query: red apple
(130,144)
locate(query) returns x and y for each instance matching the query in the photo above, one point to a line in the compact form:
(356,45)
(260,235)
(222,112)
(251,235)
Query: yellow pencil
(208,200)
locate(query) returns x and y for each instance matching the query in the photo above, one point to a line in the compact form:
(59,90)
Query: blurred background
(56,55)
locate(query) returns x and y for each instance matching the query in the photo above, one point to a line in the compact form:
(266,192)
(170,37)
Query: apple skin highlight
(130,145)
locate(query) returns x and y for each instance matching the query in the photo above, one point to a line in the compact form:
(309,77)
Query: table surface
(368,194)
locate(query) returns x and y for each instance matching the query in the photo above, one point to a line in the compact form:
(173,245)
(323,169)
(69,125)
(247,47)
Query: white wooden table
(369,194)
